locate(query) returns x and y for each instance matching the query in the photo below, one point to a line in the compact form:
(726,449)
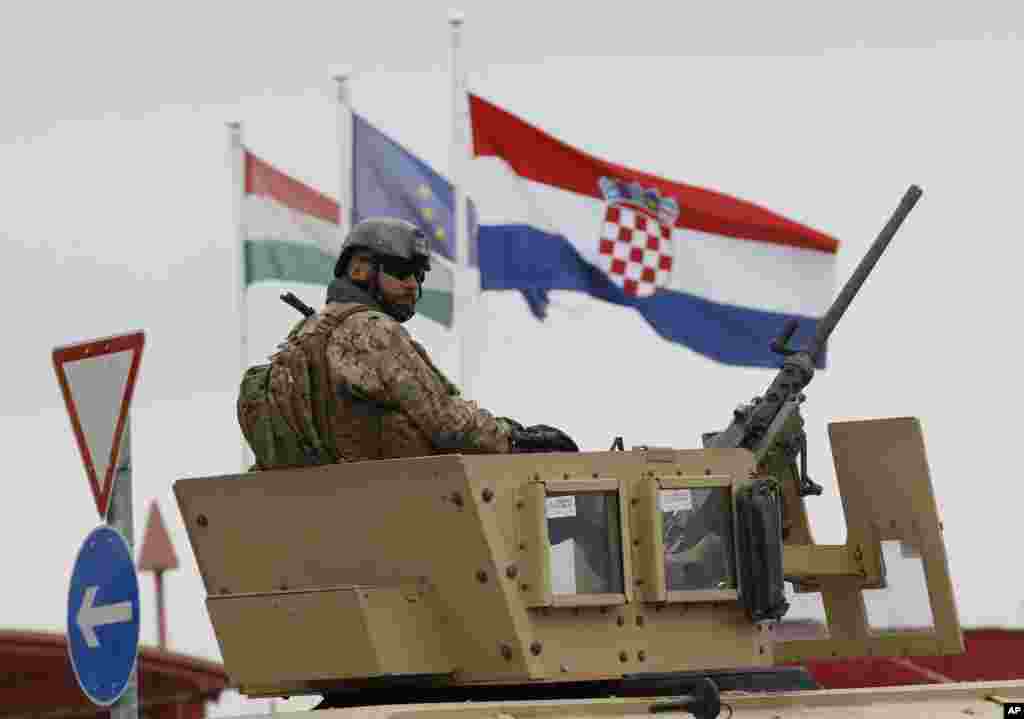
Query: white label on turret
(561,506)
(676,500)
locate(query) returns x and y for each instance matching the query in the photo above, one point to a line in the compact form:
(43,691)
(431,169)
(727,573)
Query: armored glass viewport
(584,531)
(697,533)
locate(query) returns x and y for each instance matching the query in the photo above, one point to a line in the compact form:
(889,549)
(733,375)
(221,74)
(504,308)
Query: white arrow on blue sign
(103,616)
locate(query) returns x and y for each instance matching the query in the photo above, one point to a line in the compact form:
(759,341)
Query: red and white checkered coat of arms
(635,249)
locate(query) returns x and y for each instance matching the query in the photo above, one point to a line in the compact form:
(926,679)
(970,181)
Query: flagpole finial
(341,76)
(235,132)
(341,73)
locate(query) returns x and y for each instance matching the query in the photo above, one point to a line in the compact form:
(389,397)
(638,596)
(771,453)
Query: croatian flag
(714,273)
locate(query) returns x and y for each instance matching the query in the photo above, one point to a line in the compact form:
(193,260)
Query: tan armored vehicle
(618,582)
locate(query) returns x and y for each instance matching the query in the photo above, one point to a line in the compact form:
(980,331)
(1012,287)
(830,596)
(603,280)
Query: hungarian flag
(290,229)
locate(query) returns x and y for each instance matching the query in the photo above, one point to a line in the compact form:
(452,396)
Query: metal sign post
(119,517)
(97,379)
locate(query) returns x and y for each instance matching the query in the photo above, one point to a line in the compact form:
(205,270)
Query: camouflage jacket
(393,400)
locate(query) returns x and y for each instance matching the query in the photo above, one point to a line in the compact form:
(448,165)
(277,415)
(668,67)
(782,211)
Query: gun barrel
(867,263)
(289,298)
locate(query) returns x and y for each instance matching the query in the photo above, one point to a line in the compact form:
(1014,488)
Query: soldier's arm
(381,361)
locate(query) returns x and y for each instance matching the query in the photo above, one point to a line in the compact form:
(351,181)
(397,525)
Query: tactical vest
(296,432)
(297,427)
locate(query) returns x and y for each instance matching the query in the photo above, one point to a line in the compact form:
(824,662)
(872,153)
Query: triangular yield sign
(97,378)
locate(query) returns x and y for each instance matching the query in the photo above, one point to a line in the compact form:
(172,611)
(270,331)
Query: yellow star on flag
(428,213)
(439,233)
(423,191)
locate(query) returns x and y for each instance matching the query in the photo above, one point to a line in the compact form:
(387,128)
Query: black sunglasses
(402,269)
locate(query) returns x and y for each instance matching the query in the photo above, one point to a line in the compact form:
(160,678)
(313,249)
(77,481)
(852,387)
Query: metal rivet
(202,521)
(536,648)
(604,610)
(639,621)
(564,669)
(633,502)
(636,542)
(620,620)
(639,582)
(565,476)
(623,656)
(707,471)
(481,576)
(457,499)
(519,504)
(506,651)
(525,587)
(522,546)
(284,586)
(487,494)
(512,572)
(224,590)
(642,655)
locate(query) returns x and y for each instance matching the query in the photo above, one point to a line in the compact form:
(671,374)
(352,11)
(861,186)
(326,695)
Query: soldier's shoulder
(370,320)
(371,329)
(351,314)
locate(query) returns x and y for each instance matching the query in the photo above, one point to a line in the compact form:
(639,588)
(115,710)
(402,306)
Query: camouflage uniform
(392,400)
(350,384)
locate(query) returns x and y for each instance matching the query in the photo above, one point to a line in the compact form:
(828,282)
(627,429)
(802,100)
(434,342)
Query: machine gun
(771,426)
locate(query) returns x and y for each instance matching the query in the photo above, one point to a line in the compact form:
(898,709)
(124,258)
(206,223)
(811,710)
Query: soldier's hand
(541,438)
(512,424)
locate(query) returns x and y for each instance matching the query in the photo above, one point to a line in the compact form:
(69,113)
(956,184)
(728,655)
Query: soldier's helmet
(388,239)
(385,237)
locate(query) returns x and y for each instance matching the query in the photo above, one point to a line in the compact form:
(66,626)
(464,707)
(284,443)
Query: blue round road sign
(103,616)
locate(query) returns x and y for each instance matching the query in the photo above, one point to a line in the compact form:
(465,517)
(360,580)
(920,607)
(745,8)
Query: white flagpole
(345,137)
(236,162)
(463,290)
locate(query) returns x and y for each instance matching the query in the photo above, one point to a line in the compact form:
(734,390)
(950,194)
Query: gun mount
(771,425)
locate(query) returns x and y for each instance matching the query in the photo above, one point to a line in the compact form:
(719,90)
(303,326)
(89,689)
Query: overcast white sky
(115,215)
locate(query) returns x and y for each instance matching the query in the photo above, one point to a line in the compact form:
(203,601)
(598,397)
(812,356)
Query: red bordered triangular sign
(97,378)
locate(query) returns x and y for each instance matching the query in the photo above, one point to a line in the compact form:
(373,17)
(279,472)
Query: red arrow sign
(97,378)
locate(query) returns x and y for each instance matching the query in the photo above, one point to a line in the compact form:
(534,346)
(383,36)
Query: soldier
(391,399)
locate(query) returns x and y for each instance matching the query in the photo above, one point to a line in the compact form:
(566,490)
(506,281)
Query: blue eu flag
(388,180)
